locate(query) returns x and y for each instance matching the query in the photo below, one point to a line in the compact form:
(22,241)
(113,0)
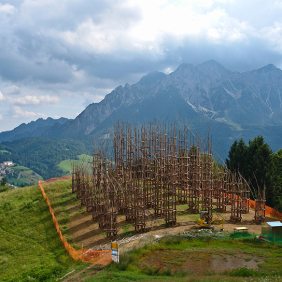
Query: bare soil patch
(199,262)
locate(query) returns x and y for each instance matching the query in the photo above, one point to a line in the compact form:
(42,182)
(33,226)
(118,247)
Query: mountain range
(206,97)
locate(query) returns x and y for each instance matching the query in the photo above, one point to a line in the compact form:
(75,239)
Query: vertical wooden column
(260,207)
(194,179)
(236,200)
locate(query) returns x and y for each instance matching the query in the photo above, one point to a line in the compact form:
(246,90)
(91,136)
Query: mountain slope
(32,129)
(233,104)
(31,249)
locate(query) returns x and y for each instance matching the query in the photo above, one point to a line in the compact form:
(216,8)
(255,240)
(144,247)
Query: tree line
(260,166)
(42,155)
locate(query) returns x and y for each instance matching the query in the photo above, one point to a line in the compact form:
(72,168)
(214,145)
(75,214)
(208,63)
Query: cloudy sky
(58,56)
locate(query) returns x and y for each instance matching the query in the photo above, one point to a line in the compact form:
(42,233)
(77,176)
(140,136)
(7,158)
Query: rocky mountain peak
(151,78)
(269,67)
(213,69)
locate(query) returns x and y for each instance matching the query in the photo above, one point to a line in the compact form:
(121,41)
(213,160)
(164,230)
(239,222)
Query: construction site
(155,175)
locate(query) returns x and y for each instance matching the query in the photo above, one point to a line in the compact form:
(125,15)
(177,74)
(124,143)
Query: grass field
(30,248)
(5,151)
(86,158)
(19,167)
(83,160)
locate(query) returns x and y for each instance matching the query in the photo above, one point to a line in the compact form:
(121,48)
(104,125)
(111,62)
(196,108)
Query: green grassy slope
(5,151)
(83,160)
(30,248)
(23,175)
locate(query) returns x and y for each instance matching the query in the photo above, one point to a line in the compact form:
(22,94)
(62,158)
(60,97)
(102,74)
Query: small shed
(272,228)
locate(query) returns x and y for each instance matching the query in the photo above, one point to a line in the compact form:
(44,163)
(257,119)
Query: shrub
(150,270)
(42,274)
(245,272)
(4,188)
(172,240)
(181,273)
(125,260)
(167,272)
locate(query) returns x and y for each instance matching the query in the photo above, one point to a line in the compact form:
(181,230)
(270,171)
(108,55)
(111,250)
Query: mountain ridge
(31,129)
(234,102)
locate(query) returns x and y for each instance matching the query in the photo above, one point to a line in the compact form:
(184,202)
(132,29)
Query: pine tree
(255,164)
(3,181)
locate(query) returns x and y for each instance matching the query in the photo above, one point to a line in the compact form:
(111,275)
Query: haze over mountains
(231,104)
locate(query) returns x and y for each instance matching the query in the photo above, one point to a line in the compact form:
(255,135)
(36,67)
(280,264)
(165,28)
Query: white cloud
(2,98)
(49,99)
(187,19)
(35,100)
(274,35)
(19,113)
(115,32)
(99,38)
(1,117)
(7,8)
(12,89)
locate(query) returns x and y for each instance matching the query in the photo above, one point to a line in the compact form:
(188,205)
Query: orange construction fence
(84,255)
(268,211)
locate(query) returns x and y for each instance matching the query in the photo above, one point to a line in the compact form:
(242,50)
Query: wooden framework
(156,166)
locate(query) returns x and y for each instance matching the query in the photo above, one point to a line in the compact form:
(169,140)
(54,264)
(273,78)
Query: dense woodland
(42,155)
(260,166)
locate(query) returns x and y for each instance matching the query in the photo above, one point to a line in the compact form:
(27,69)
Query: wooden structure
(156,166)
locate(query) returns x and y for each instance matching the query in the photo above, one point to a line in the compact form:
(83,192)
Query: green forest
(42,155)
(260,166)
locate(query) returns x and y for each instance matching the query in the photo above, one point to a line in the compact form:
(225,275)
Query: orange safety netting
(64,177)
(268,211)
(85,255)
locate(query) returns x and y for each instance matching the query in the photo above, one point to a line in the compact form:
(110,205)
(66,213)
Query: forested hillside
(42,155)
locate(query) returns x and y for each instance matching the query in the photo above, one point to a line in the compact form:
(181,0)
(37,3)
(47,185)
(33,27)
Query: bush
(167,272)
(245,272)
(4,188)
(150,270)
(172,240)
(181,273)
(42,274)
(125,260)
